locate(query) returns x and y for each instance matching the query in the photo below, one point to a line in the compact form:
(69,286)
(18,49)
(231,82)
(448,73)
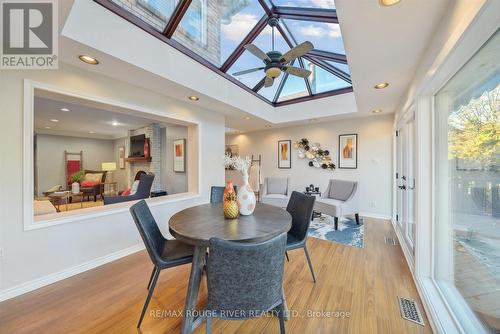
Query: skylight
(214,32)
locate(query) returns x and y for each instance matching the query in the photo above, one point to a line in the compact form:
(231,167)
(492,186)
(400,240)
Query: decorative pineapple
(231,206)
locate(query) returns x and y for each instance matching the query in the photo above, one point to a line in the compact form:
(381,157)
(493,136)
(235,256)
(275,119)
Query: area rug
(348,233)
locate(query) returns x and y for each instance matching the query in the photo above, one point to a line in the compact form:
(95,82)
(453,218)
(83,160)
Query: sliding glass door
(467,186)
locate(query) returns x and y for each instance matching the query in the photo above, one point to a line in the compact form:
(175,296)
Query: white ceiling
(382,44)
(85,118)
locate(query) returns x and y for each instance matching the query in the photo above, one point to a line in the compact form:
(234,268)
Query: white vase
(246,197)
(75,187)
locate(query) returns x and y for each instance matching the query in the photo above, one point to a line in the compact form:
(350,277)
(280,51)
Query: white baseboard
(60,275)
(375,215)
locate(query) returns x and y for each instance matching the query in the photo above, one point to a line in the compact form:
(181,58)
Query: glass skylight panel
(213,28)
(326,4)
(294,87)
(322,81)
(343,67)
(324,36)
(155,13)
(270,92)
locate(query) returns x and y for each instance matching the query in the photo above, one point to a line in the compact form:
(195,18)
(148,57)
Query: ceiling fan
(275,62)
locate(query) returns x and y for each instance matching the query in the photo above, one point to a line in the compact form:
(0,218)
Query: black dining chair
(217,193)
(164,253)
(245,279)
(300,206)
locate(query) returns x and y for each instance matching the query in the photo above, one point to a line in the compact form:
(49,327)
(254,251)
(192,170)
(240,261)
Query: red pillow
(89,183)
(127,192)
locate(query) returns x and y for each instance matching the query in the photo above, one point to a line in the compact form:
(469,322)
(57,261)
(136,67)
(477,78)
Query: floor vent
(390,241)
(409,311)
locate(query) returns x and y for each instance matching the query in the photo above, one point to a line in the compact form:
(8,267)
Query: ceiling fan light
(273,72)
(388,2)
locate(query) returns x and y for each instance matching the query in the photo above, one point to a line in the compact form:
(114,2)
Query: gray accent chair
(143,191)
(217,193)
(164,253)
(276,191)
(339,199)
(247,278)
(300,208)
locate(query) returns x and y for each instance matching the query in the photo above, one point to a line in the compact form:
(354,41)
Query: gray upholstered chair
(276,191)
(217,193)
(143,191)
(300,208)
(339,199)
(245,279)
(164,253)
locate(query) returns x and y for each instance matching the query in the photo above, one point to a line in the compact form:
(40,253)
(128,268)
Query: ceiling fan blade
(297,71)
(257,52)
(268,82)
(297,51)
(248,71)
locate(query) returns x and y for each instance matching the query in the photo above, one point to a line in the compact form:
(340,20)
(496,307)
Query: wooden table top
(196,225)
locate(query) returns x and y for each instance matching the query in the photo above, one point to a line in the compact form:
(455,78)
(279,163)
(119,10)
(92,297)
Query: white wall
(173,182)
(374,157)
(50,157)
(54,250)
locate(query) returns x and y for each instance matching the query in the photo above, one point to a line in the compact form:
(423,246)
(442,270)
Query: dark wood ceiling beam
(333,70)
(314,97)
(280,88)
(176,18)
(259,85)
(266,7)
(306,14)
(283,30)
(249,38)
(326,55)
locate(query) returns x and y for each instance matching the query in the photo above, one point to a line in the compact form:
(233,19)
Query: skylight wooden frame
(316,57)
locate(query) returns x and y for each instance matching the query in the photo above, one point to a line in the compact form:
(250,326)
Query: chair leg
(336,223)
(310,264)
(209,326)
(151,278)
(356,215)
(281,315)
(150,294)
(287,258)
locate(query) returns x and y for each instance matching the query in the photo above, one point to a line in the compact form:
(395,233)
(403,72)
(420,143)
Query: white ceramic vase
(246,197)
(75,187)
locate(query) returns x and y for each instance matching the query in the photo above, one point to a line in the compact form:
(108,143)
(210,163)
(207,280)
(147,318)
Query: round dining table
(198,224)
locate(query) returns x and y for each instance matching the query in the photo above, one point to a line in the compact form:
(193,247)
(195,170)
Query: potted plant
(77,178)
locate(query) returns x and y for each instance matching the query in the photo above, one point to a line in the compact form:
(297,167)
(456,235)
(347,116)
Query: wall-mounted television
(137,145)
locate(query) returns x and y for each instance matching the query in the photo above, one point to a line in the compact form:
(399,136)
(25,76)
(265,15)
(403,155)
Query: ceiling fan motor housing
(273,68)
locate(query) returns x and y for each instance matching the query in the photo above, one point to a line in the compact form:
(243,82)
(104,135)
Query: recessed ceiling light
(313,120)
(64,109)
(381,85)
(91,132)
(114,123)
(54,120)
(246,117)
(88,59)
(377,111)
(388,2)
(193,98)
(47,127)
(268,125)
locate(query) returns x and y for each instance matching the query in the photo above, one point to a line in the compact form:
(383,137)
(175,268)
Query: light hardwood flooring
(363,283)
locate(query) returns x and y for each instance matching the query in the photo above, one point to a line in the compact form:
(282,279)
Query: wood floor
(357,291)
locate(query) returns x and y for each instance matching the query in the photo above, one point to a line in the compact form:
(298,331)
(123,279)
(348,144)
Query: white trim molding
(72,271)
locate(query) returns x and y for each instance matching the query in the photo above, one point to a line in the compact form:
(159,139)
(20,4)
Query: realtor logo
(29,34)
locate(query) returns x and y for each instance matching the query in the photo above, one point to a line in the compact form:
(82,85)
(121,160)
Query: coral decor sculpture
(318,157)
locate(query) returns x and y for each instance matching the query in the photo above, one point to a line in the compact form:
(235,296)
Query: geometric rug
(348,232)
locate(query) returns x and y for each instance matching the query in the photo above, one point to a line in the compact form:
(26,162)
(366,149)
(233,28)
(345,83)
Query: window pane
(468,184)
(342,67)
(327,4)
(213,28)
(247,60)
(156,13)
(270,92)
(294,87)
(324,36)
(323,81)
